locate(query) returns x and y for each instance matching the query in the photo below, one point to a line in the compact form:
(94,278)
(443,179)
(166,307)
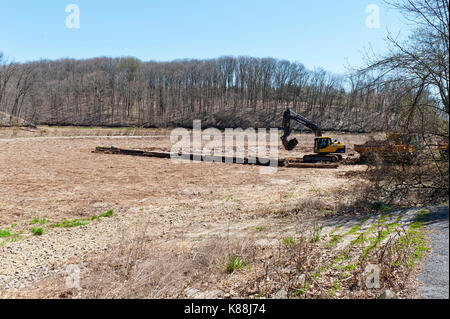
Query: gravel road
(434,274)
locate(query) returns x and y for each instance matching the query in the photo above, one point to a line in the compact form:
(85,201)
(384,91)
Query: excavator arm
(291,115)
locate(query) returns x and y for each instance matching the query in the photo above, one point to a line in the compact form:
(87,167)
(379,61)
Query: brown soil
(59,178)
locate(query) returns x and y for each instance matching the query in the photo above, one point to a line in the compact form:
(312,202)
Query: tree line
(225,92)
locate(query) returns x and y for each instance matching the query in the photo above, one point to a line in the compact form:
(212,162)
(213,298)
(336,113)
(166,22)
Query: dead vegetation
(322,258)
(290,255)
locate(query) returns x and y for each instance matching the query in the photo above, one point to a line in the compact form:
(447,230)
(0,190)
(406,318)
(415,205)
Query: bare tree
(419,68)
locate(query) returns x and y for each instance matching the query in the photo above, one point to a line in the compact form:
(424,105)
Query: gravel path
(434,274)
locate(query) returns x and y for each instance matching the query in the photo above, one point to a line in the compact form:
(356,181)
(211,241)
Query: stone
(388,295)
(281,294)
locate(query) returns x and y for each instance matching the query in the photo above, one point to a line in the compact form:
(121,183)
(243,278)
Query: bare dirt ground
(165,215)
(60,178)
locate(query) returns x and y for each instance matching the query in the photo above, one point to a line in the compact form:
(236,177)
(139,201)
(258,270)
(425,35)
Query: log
(311,165)
(192,157)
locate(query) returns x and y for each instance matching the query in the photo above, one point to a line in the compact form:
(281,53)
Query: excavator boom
(291,115)
(324,147)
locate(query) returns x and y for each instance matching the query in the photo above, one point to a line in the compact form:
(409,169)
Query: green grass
(37,231)
(5,233)
(336,229)
(109,213)
(39,221)
(353,230)
(303,290)
(70,223)
(336,286)
(417,255)
(359,240)
(382,219)
(374,242)
(416,225)
(316,236)
(386,209)
(288,240)
(420,219)
(332,292)
(260,228)
(415,239)
(234,263)
(227,198)
(393,225)
(9,237)
(334,240)
(350,267)
(344,275)
(315,275)
(75,222)
(412,240)
(344,255)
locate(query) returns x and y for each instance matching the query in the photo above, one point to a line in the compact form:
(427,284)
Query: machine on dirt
(443,150)
(324,148)
(397,147)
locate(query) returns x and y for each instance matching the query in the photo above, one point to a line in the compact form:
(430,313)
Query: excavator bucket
(290,145)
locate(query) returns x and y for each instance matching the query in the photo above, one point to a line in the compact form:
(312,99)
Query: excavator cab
(325,145)
(321,143)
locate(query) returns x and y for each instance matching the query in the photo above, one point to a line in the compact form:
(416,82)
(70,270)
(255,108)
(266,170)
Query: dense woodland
(224,92)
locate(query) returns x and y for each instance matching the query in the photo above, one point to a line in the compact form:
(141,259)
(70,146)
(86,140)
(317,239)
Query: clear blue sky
(325,33)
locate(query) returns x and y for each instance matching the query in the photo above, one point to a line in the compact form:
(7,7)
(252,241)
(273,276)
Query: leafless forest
(223,92)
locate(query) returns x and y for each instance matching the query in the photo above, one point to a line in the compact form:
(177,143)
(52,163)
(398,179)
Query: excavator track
(322,158)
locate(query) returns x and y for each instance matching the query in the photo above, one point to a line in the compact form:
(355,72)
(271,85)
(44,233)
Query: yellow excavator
(397,147)
(324,148)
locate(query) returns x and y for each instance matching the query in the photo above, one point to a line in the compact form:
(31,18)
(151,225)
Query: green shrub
(234,263)
(379,206)
(109,213)
(288,241)
(37,231)
(5,233)
(71,223)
